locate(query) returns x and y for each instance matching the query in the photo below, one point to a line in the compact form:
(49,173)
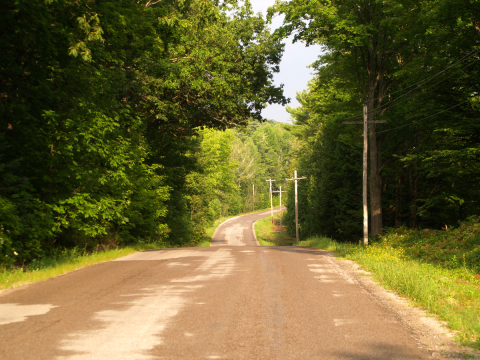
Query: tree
(380,44)
(373,41)
(101,104)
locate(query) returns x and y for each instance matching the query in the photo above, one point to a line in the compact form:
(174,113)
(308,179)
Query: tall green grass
(325,243)
(263,231)
(452,294)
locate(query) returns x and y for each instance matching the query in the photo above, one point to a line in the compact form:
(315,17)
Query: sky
(294,72)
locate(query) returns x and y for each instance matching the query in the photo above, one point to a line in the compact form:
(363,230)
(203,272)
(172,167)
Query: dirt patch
(429,332)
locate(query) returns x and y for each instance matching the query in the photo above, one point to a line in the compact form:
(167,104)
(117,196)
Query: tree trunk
(375,179)
(398,203)
(413,180)
(413,212)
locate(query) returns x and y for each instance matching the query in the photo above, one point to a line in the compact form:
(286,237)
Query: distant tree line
(231,164)
(414,64)
(105,111)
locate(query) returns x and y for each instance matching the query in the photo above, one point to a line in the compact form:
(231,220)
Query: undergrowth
(269,234)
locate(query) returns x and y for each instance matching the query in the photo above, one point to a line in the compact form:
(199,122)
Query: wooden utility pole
(271,198)
(296,202)
(365,123)
(281,234)
(253,197)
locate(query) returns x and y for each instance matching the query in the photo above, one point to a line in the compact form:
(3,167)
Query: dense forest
(230,164)
(126,121)
(415,65)
(113,118)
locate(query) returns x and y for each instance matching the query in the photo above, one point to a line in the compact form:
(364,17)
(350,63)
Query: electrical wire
(421,82)
(417,121)
(390,105)
(426,88)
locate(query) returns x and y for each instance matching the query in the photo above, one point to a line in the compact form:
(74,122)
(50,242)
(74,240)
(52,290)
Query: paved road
(221,302)
(238,231)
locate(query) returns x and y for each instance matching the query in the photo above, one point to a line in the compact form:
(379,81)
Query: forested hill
(227,165)
(415,67)
(111,120)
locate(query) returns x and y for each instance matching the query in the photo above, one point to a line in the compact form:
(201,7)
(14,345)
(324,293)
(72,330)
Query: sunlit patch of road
(137,328)
(10,313)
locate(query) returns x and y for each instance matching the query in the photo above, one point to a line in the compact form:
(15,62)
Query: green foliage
(101,104)
(11,221)
(262,152)
(329,156)
(229,163)
(211,188)
(415,65)
(451,248)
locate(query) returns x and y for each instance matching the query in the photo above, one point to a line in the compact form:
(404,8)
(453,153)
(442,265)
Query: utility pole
(365,123)
(271,197)
(281,226)
(296,202)
(253,197)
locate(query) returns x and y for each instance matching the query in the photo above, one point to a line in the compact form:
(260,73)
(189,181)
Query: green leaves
(100,104)
(415,65)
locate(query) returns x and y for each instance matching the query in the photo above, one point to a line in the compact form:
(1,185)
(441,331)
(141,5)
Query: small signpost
(253,196)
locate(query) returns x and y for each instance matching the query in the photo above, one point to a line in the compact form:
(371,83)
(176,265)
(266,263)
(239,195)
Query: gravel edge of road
(7,291)
(429,332)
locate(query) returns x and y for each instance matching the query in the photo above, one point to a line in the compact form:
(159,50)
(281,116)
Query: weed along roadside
(437,270)
(73,259)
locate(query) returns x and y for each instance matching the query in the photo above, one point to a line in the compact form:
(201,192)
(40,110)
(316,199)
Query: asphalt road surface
(221,302)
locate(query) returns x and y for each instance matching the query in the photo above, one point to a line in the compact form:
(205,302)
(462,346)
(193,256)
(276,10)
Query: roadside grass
(320,242)
(437,270)
(268,234)
(67,261)
(452,294)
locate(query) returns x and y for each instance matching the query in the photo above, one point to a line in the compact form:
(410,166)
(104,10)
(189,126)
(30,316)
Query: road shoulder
(429,332)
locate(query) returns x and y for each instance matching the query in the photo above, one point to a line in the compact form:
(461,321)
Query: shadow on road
(375,351)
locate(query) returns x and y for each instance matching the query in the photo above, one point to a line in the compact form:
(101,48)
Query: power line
(424,89)
(417,121)
(390,105)
(421,82)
